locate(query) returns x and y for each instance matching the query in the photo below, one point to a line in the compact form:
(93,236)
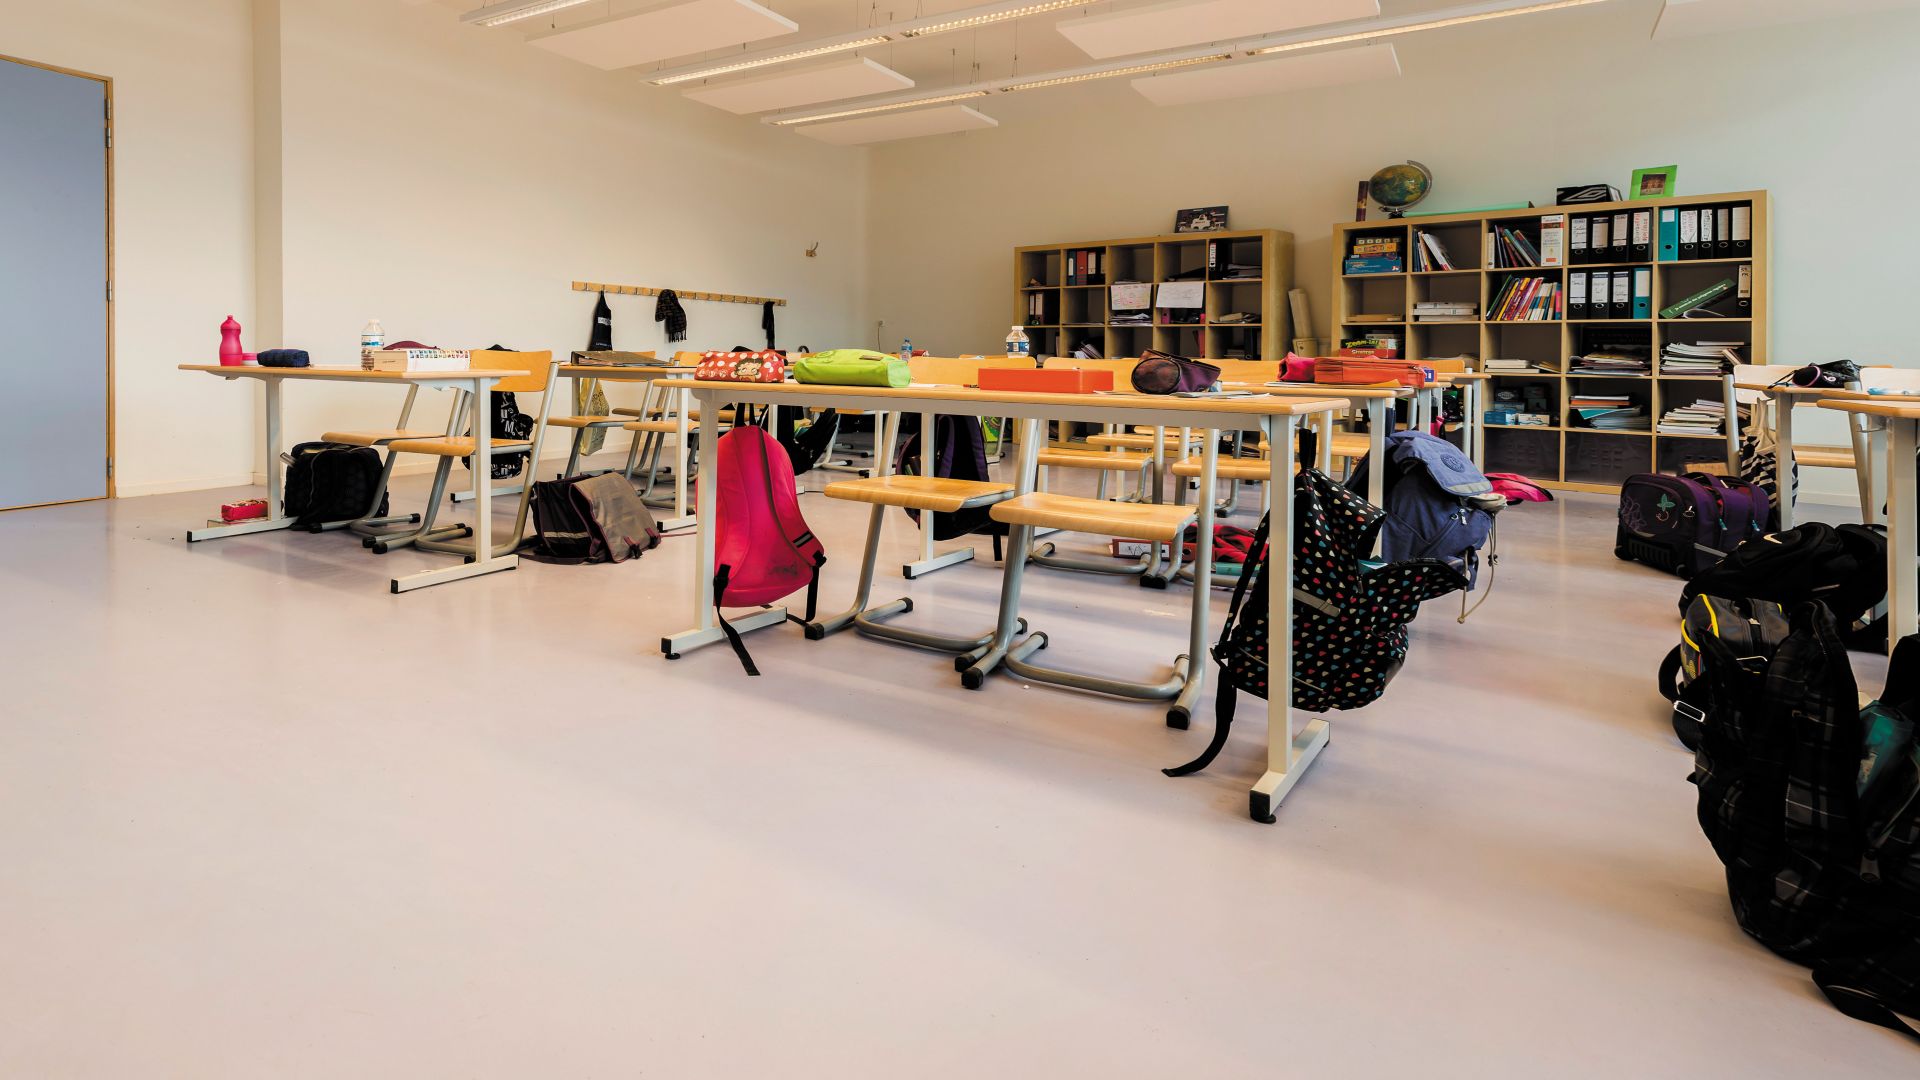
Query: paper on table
(1182,294)
(1132,297)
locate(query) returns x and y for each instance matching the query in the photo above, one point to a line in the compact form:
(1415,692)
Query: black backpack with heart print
(1349,619)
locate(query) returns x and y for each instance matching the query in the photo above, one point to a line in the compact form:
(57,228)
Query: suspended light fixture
(502,14)
(1415,28)
(789,121)
(769,61)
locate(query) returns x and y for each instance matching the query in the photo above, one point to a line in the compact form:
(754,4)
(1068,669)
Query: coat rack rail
(684,294)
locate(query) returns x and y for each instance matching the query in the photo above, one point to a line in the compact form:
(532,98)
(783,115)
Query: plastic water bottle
(1018,343)
(906,349)
(372,336)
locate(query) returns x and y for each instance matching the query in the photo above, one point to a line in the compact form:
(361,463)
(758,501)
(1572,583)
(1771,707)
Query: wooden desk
(1902,421)
(476,380)
(1783,399)
(1288,753)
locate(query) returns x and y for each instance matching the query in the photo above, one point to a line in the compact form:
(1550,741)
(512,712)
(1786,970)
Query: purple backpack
(1684,524)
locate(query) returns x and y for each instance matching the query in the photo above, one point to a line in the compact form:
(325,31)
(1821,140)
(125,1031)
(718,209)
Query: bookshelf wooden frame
(1078,313)
(1555,341)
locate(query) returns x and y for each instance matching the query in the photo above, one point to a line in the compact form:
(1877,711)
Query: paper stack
(1703,417)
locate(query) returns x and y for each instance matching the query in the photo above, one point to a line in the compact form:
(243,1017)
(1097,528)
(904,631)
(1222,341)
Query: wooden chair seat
(1253,469)
(376,438)
(1116,461)
(661,427)
(458,446)
(1139,521)
(937,494)
(1346,444)
(587,421)
(693,415)
(1824,457)
(1171,443)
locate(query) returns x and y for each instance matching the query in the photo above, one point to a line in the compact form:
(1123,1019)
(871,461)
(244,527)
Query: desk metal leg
(929,562)
(483,560)
(1288,754)
(1783,458)
(1379,419)
(679,395)
(1903,579)
(706,629)
(275,519)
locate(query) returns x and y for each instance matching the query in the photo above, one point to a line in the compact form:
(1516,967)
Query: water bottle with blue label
(1018,344)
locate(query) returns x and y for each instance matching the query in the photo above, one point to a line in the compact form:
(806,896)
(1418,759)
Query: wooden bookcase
(1071,314)
(1562,455)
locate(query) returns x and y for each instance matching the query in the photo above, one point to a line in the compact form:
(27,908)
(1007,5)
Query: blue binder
(1643,293)
(1670,234)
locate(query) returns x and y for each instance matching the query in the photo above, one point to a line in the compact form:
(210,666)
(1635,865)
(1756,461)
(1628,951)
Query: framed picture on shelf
(1203,219)
(1655,183)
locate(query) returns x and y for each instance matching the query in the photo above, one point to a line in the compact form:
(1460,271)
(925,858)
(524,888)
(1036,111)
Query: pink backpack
(1518,489)
(764,550)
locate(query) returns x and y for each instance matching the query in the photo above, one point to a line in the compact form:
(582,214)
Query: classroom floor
(259,817)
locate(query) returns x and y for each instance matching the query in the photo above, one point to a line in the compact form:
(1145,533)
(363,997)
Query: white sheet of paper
(1132,297)
(1182,294)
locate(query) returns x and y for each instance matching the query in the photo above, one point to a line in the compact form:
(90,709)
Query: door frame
(107,135)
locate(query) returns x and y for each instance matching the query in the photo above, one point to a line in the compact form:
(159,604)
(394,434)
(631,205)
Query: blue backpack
(1439,505)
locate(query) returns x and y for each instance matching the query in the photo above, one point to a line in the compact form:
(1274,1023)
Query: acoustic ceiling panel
(842,79)
(1195,22)
(690,26)
(1249,78)
(904,125)
(1692,18)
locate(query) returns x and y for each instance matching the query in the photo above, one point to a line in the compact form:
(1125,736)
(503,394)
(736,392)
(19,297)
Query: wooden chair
(542,381)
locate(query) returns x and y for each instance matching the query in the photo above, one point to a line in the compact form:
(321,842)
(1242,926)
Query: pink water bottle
(230,352)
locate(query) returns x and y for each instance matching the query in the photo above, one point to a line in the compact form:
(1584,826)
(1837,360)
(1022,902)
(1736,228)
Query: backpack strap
(1670,674)
(1224,700)
(1862,1004)
(733,636)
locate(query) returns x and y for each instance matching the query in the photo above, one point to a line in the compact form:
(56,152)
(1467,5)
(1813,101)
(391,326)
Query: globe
(1398,187)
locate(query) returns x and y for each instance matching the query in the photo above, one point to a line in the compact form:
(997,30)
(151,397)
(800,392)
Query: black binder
(1689,233)
(1642,236)
(1622,306)
(1576,294)
(1705,250)
(1743,230)
(1598,243)
(1723,232)
(1577,243)
(1621,249)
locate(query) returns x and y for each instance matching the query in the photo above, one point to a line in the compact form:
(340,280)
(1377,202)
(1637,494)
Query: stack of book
(1445,311)
(1607,412)
(1375,255)
(1429,253)
(1508,247)
(1702,358)
(1527,299)
(415,360)
(1616,361)
(1509,367)
(1703,417)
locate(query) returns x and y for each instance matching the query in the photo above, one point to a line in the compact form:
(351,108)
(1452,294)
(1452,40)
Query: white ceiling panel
(1195,22)
(1253,77)
(678,29)
(1692,18)
(785,89)
(905,125)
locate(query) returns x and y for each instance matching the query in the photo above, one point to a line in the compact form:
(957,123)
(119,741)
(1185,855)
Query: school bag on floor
(1350,615)
(763,549)
(959,453)
(807,445)
(1684,524)
(1813,806)
(590,519)
(328,481)
(1842,566)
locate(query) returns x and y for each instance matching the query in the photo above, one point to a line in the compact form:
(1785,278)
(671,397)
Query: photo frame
(1201,219)
(1658,182)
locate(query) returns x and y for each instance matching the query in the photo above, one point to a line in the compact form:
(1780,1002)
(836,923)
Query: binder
(1705,249)
(1622,294)
(1597,242)
(1669,234)
(1643,236)
(1743,294)
(1577,247)
(1689,233)
(1577,294)
(1743,231)
(1723,232)
(1622,248)
(1643,293)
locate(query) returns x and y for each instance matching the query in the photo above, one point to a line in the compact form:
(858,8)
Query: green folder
(1700,299)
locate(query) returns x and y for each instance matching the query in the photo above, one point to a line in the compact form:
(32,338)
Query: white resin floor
(260,818)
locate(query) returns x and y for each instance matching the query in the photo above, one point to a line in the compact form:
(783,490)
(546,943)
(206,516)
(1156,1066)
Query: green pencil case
(852,367)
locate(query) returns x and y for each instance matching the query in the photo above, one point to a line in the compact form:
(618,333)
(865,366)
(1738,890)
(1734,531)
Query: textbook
(1700,299)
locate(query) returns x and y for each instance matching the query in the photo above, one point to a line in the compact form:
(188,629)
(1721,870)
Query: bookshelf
(1061,309)
(1561,455)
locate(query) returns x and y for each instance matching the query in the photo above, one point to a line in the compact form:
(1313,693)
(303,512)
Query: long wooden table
(1902,421)
(477,380)
(1289,752)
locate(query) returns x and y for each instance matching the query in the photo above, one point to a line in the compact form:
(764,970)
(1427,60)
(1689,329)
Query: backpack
(1684,524)
(590,519)
(1349,617)
(328,481)
(1746,628)
(1813,806)
(1842,566)
(1759,455)
(763,549)
(1438,503)
(806,446)
(959,453)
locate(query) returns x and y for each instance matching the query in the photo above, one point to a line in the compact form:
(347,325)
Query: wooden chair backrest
(684,358)
(539,364)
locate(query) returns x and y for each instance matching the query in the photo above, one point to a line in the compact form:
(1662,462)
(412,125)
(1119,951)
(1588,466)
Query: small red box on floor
(244,510)
(1045,380)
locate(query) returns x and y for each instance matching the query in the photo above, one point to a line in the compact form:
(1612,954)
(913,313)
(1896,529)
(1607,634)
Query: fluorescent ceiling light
(1278,75)
(789,121)
(912,125)
(1176,25)
(972,21)
(502,14)
(1415,28)
(1136,69)
(768,61)
(1692,18)
(656,33)
(836,80)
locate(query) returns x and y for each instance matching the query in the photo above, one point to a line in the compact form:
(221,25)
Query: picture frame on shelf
(1658,182)
(1201,219)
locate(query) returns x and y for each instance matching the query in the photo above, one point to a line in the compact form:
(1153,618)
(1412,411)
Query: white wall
(1821,114)
(183,220)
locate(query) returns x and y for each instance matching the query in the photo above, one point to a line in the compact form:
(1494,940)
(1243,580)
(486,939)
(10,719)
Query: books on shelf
(1430,254)
(1607,412)
(1527,299)
(1508,248)
(1378,317)
(1701,358)
(1625,361)
(1375,255)
(1446,311)
(1703,417)
(1502,366)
